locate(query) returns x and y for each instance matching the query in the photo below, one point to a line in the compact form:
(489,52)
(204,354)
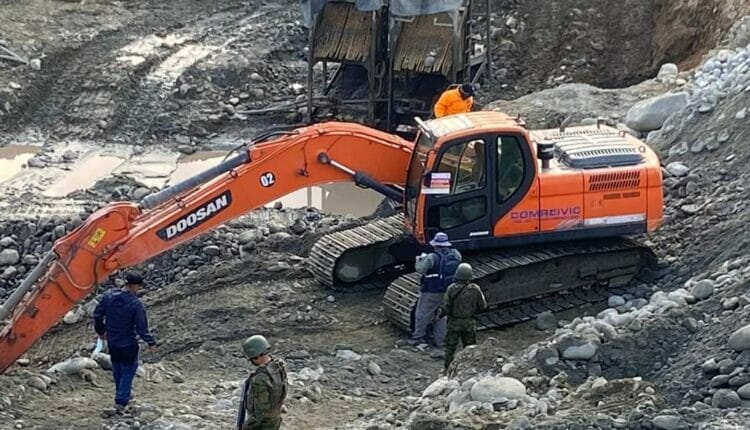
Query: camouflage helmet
(464,272)
(255,346)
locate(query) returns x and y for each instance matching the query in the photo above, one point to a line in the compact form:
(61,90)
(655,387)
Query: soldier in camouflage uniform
(463,300)
(264,390)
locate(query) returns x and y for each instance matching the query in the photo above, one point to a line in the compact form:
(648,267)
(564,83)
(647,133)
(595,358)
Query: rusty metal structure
(392,57)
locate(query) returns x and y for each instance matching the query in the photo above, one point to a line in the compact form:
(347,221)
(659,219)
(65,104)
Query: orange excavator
(539,214)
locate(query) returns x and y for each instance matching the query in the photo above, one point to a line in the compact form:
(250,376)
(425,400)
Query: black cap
(467,89)
(133,278)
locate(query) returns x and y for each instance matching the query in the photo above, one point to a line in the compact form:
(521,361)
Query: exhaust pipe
(545,151)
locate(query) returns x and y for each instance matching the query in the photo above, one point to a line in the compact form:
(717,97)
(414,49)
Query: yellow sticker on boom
(96,237)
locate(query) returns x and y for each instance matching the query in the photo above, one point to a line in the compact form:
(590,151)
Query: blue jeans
(124,365)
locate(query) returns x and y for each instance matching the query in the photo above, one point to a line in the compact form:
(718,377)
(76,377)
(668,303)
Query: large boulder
(73,366)
(668,72)
(103,360)
(347,354)
(669,422)
(677,169)
(440,386)
(574,348)
(9,257)
(250,236)
(37,382)
(212,250)
(725,399)
(492,388)
(703,289)
(546,359)
(650,114)
(744,391)
(73,316)
(740,339)
(546,321)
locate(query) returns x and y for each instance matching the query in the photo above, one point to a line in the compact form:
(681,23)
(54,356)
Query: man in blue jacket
(437,269)
(118,317)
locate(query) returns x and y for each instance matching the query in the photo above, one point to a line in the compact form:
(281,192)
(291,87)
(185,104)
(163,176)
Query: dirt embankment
(686,30)
(605,44)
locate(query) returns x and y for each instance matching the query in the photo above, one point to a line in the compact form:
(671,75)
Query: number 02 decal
(267,179)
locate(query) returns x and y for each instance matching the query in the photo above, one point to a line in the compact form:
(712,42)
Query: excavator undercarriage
(518,282)
(360,257)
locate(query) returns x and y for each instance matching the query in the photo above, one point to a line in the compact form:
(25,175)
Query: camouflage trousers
(268,423)
(459,329)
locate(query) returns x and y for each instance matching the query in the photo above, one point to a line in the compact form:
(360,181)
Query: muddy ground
(139,70)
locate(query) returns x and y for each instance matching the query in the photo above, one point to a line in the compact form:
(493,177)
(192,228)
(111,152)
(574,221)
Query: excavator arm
(125,234)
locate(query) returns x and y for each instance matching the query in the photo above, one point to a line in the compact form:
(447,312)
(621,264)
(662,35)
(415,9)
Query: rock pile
(650,114)
(729,384)
(723,78)
(522,37)
(24,243)
(599,361)
(582,103)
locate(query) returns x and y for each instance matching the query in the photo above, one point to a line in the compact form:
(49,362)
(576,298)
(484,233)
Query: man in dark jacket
(437,269)
(118,318)
(463,301)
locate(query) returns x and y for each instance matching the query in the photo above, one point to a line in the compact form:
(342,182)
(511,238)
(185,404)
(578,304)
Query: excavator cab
(462,183)
(482,179)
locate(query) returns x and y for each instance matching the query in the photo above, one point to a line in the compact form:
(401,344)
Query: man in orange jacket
(455,101)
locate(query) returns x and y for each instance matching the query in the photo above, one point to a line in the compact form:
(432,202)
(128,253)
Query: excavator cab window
(466,202)
(424,145)
(460,212)
(510,167)
(466,164)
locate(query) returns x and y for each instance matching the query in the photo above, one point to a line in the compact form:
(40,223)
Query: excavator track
(361,257)
(520,283)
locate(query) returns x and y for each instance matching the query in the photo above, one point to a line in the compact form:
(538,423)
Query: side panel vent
(615,181)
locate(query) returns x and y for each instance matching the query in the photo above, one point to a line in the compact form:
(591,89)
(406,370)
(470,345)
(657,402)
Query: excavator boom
(123,234)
